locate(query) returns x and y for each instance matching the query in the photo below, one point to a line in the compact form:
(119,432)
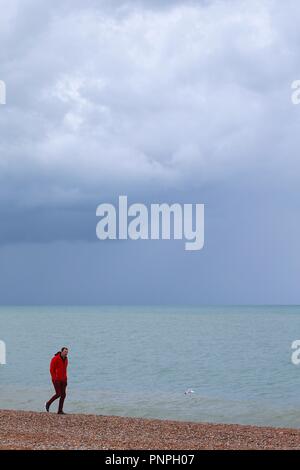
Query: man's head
(64,352)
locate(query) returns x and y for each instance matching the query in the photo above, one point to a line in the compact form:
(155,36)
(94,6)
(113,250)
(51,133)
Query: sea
(217,364)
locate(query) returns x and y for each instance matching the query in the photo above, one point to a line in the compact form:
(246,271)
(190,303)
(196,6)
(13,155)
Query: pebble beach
(23,430)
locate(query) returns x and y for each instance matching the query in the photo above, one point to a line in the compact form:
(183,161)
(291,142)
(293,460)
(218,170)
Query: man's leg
(63,387)
(57,386)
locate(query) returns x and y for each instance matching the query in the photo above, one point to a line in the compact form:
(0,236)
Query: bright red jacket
(58,368)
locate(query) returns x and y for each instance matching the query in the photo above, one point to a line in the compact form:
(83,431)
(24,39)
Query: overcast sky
(165,101)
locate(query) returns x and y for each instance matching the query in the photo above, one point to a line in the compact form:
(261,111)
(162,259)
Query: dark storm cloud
(166,101)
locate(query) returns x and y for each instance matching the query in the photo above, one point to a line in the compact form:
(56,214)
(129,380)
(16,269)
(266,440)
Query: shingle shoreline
(43,431)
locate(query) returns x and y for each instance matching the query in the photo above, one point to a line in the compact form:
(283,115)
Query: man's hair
(63,348)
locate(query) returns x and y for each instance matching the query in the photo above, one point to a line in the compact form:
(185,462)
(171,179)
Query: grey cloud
(162,95)
(184,101)
(104,99)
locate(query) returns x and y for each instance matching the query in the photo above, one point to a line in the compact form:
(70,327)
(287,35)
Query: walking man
(58,371)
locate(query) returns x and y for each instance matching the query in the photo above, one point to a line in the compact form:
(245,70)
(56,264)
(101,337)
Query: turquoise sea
(139,361)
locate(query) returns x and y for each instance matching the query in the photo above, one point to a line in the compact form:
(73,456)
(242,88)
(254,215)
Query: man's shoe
(47,407)
(61,413)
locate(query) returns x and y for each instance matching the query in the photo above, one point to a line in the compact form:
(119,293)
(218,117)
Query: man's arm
(53,368)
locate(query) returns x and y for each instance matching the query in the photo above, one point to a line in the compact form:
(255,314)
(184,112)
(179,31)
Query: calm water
(138,361)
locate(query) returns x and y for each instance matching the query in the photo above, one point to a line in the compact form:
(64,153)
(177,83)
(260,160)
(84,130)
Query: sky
(162,101)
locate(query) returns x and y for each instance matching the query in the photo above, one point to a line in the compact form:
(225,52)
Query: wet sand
(41,431)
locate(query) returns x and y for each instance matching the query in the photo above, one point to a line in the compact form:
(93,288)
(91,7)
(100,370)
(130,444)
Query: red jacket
(58,368)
